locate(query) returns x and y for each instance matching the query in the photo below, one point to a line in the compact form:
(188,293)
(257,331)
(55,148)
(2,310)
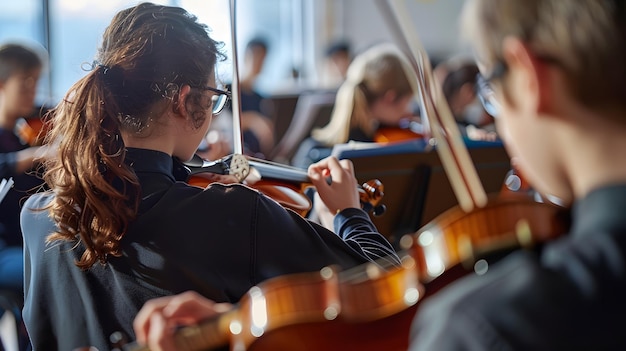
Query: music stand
(415,184)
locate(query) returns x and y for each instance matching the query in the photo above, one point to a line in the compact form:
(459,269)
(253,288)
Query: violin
(407,130)
(32,130)
(287,185)
(369,307)
(345,308)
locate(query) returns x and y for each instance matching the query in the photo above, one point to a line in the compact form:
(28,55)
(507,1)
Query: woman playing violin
(375,96)
(555,74)
(118,229)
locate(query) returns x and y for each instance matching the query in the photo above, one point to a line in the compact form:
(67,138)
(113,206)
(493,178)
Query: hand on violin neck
(341,191)
(159,318)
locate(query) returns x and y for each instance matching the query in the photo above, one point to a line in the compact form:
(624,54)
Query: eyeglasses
(219,100)
(485,92)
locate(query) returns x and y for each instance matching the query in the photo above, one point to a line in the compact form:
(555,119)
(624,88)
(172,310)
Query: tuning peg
(379,210)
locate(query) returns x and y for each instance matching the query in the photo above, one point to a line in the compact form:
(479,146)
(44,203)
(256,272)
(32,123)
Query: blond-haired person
(375,93)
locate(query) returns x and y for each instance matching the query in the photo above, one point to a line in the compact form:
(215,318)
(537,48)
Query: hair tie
(94,65)
(113,76)
(103,68)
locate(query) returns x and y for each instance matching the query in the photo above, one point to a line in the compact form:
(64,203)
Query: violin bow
(238,163)
(235,164)
(450,146)
(236,92)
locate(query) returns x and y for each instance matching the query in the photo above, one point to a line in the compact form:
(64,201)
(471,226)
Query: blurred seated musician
(254,59)
(459,88)
(257,127)
(20,68)
(337,58)
(376,94)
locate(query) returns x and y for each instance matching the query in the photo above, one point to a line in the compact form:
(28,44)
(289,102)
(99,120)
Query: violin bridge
(239,167)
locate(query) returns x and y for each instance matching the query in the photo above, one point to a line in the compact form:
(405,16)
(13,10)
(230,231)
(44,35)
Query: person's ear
(179,107)
(529,78)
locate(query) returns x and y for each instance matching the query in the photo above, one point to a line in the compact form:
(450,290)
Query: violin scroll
(370,195)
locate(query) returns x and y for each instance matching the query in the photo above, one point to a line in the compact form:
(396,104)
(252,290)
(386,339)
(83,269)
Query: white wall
(363,24)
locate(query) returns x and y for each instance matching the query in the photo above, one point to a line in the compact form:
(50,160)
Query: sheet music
(5,185)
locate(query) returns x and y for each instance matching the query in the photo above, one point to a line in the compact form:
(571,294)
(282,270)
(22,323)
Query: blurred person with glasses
(485,93)
(257,127)
(460,88)
(119,226)
(553,73)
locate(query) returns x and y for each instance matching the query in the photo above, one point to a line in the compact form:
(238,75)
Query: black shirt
(24,184)
(570,296)
(218,241)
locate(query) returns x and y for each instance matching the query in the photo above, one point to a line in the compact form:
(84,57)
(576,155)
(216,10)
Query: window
(22,22)
(76,29)
(271,20)
(70,32)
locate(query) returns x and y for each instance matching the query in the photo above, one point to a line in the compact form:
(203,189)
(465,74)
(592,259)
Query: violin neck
(208,335)
(277,171)
(267,170)
(198,165)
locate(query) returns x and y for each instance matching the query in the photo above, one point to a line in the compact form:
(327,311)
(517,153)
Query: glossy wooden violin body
(303,311)
(369,307)
(457,240)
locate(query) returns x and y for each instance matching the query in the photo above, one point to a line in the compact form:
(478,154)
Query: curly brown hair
(147,53)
